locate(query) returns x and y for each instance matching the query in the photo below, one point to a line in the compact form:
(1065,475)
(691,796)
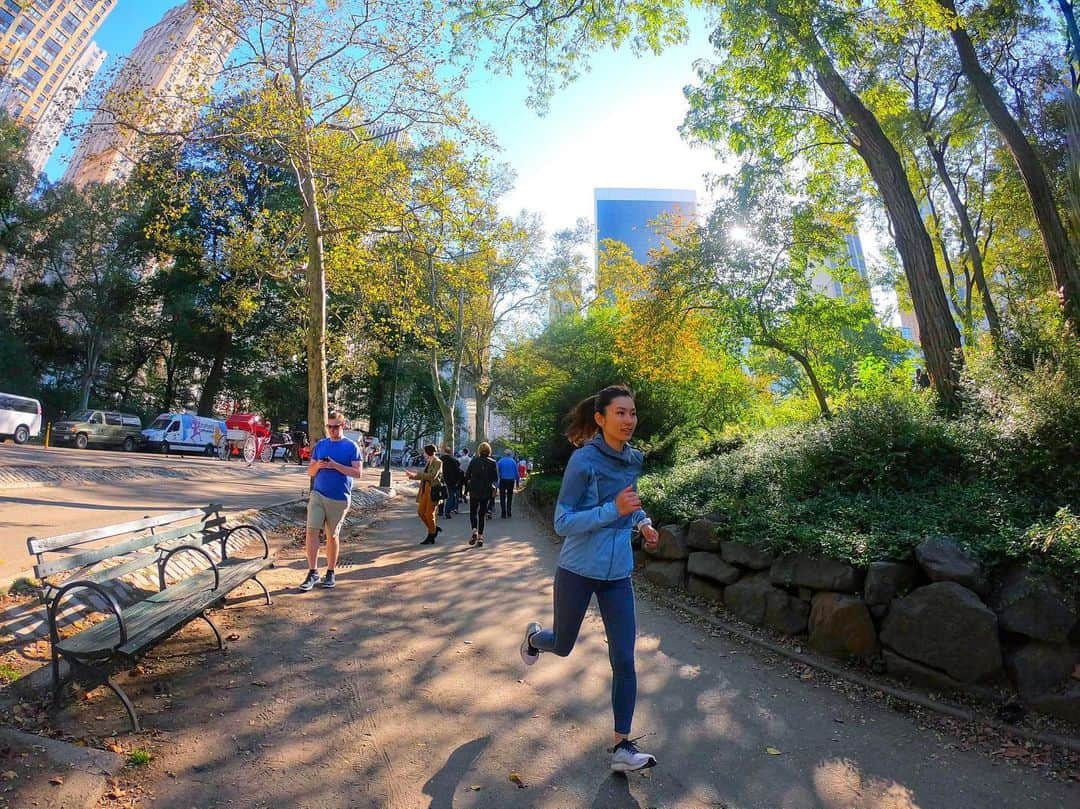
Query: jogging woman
(596,511)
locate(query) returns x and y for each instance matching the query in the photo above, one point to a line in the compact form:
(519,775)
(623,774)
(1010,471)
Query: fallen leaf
(233,636)
(772,751)
(475,787)
(515,778)
(260,683)
(56,779)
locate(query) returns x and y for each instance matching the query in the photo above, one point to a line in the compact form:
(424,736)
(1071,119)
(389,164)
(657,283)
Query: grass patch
(8,673)
(139,758)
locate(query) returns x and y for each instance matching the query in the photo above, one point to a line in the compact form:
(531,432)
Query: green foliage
(139,758)
(8,673)
(889,470)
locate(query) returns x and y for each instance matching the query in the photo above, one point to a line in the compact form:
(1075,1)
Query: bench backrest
(62,553)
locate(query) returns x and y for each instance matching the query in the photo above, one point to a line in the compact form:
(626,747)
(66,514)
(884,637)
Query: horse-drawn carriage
(250,437)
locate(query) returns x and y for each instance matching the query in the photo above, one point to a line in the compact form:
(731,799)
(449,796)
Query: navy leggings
(616,601)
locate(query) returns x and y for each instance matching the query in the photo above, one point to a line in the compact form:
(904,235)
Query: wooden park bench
(139,616)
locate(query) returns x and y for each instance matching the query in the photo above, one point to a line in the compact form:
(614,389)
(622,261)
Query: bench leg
(263,586)
(217,634)
(127,704)
(57,686)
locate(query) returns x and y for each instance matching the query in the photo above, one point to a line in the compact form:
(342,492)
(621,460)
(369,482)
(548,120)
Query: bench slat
(161,613)
(77,560)
(37,545)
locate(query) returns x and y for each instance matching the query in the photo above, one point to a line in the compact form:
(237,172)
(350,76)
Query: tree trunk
(448,401)
(212,386)
(970,240)
(1055,241)
(939,335)
(483,396)
(804,362)
(93,356)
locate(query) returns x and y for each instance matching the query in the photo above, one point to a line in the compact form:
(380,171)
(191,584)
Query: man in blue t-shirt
(508,478)
(335,461)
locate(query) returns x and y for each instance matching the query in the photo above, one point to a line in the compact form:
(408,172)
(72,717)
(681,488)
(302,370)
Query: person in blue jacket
(597,509)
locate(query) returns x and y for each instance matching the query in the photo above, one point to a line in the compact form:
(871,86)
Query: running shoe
(329,580)
(625,757)
(529,653)
(310,582)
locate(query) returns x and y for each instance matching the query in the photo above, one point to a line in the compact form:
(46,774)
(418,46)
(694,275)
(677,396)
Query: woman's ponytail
(582,425)
(582,419)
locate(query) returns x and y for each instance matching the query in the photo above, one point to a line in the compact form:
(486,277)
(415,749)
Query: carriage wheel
(249,449)
(267,453)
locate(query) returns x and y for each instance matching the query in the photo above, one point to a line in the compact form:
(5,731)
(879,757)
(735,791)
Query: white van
(185,432)
(20,418)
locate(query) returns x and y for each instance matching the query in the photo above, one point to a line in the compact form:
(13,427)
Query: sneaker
(310,582)
(472,539)
(625,757)
(329,580)
(529,653)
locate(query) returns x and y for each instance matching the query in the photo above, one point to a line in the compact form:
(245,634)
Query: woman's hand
(627,501)
(651,537)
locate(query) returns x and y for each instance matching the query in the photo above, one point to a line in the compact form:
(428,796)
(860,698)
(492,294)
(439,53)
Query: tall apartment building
(852,255)
(161,87)
(631,216)
(58,114)
(43,59)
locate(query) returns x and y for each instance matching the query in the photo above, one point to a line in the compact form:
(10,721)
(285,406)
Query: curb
(74,777)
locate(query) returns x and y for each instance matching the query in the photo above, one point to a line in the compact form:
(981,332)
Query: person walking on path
(451,475)
(425,502)
(596,512)
(481,479)
(508,478)
(335,461)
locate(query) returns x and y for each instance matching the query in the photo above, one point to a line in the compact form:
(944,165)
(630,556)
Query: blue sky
(615,126)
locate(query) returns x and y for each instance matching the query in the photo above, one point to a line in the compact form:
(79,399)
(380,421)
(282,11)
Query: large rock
(1034,605)
(666,572)
(904,669)
(1036,668)
(711,566)
(1063,703)
(944,560)
(702,535)
(946,626)
(841,626)
(888,580)
(706,588)
(785,613)
(815,572)
(748,556)
(746,598)
(672,544)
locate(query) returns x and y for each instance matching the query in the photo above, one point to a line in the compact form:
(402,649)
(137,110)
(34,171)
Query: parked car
(99,428)
(185,432)
(20,417)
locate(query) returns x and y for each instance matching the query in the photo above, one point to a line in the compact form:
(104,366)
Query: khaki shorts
(326,511)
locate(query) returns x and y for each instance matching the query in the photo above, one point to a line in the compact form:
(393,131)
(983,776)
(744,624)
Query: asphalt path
(50,510)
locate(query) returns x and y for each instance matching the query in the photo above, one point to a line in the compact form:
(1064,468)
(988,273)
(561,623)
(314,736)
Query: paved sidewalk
(403,688)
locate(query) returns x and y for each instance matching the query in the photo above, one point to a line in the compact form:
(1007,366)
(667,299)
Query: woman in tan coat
(425,505)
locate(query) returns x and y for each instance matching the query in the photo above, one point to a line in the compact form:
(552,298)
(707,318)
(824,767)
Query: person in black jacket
(482,480)
(451,470)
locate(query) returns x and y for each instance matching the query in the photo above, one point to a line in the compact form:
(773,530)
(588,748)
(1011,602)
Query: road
(49,510)
(402,688)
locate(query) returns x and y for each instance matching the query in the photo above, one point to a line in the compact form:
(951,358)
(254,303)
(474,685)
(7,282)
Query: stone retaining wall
(938,619)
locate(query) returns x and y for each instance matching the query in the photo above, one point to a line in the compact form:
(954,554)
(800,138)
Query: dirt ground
(403,688)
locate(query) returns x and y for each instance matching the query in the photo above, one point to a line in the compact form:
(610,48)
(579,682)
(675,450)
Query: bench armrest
(164,561)
(245,527)
(82,584)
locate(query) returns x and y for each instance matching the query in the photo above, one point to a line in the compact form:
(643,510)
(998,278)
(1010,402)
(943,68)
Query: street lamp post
(384,480)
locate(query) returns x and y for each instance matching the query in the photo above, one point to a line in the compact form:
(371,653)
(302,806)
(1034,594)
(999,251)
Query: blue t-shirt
(508,468)
(330,482)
